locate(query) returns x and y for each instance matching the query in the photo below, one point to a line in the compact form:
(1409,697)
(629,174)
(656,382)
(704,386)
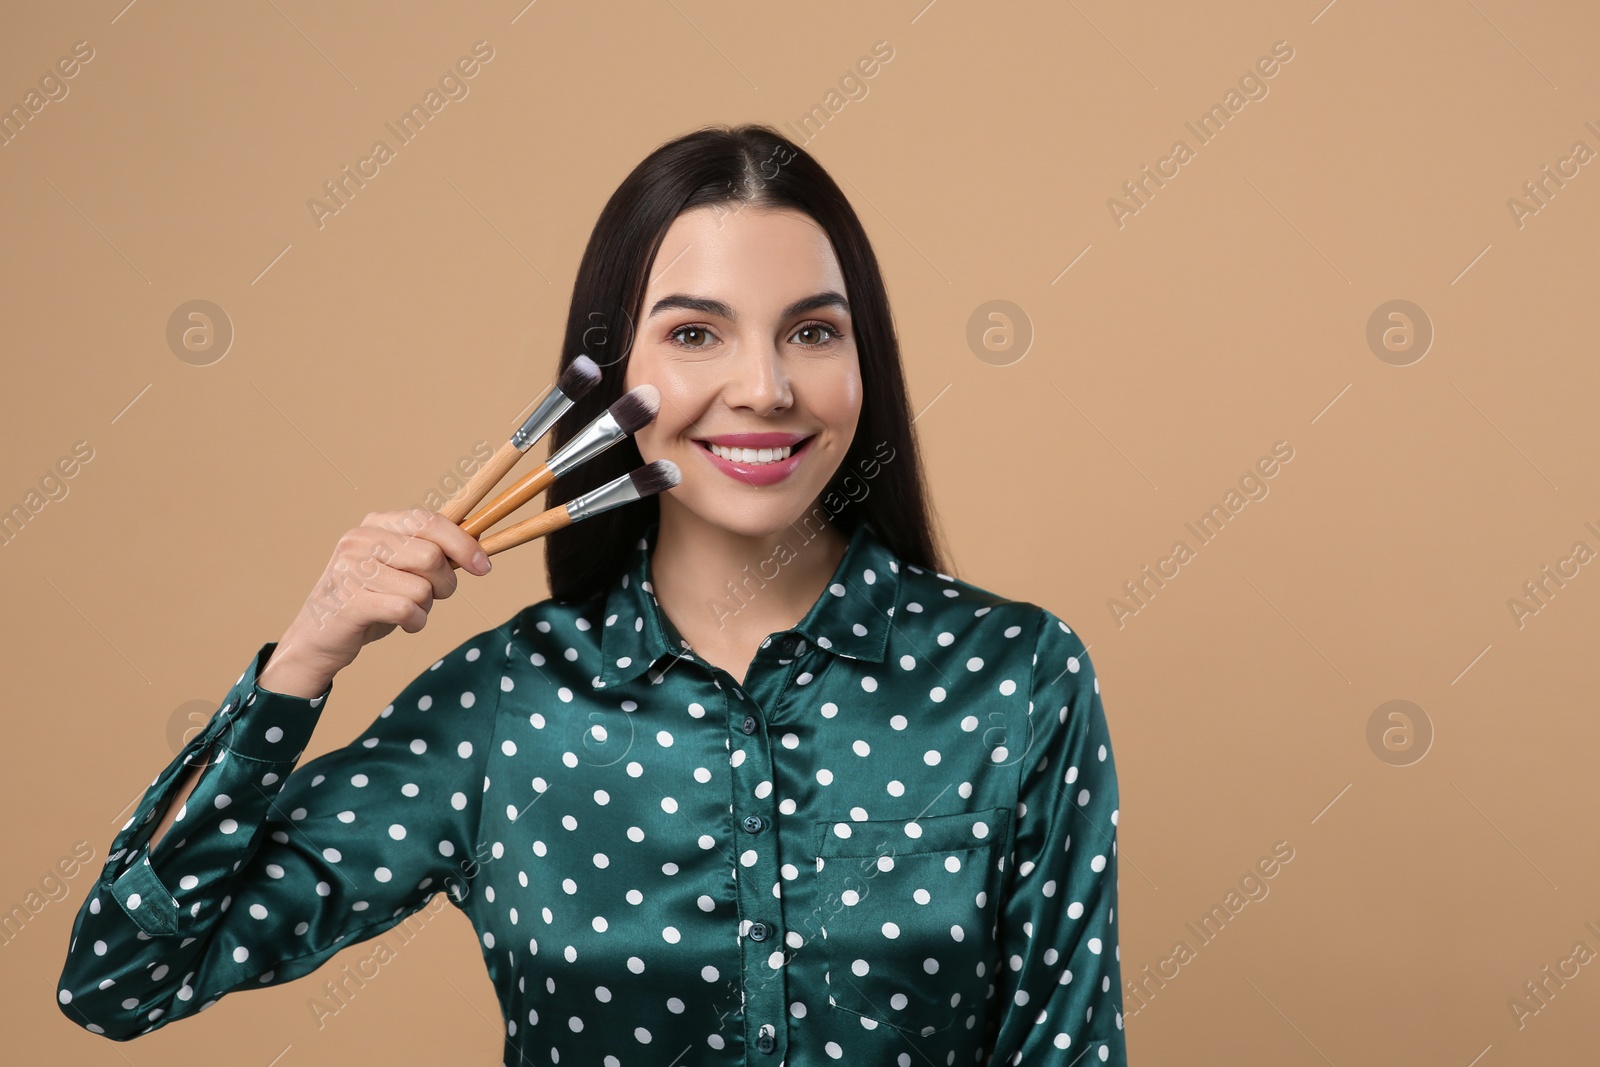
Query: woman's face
(746,331)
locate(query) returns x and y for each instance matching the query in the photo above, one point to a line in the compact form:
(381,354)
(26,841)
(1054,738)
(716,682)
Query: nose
(759,380)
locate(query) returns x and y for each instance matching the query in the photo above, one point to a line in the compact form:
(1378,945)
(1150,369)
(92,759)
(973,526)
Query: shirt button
(766,1042)
(787,645)
(758,931)
(753,824)
(749,724)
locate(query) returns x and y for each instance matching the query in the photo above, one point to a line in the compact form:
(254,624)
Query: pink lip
(759,473)
(755,440)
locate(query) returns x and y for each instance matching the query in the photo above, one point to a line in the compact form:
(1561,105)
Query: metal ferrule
(551,408)
(589,442)
(613,494)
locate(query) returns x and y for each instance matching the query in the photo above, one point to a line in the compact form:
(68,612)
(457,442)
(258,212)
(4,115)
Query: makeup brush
(581,375)
(648,480)
(631,412)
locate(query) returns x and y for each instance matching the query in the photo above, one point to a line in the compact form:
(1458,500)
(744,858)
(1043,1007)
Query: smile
(751,455)
(757,466)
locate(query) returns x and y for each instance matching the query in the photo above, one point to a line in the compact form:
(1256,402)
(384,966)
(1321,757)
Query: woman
(756,783)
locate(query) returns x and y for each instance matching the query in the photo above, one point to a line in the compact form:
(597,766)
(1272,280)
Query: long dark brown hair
(754,166)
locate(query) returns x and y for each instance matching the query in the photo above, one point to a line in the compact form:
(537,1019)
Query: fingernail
(480,562)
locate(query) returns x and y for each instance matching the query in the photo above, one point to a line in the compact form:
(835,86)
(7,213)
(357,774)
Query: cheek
(671,419)
(646,441)
(639,372)
(836,398)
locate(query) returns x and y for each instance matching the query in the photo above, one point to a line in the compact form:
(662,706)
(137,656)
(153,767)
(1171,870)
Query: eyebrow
(685,302)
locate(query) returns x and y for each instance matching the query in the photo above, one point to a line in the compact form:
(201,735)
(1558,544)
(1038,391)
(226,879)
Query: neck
(727,588)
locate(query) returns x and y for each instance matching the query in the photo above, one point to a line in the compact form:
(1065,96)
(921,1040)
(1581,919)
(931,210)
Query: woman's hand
(387,572)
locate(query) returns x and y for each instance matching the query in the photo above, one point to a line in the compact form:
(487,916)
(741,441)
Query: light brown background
(1228,314)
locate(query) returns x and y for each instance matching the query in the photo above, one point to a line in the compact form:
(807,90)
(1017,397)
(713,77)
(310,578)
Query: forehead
(755,259)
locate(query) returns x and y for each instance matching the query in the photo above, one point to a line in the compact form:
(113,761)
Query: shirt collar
(851,618)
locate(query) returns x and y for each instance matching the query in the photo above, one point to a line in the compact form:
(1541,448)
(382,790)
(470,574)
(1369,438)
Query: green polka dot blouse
(893,843)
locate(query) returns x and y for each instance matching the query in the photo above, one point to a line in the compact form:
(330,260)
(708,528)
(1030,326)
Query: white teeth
(752,455)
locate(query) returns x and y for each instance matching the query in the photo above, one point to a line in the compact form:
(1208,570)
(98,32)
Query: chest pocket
(907,911)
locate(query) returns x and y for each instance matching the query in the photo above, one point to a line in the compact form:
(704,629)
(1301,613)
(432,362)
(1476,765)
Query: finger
(391,581)
(375,565)
(460,547)
(422,557)
(399,611)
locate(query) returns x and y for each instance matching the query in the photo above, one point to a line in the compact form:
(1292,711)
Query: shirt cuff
(264,725)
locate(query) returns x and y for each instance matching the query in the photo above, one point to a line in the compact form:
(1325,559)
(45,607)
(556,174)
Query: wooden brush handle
(476,489)
(526,488)
(526,530)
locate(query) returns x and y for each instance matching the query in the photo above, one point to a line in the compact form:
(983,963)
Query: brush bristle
(637,408)
(581,375)
(655,477)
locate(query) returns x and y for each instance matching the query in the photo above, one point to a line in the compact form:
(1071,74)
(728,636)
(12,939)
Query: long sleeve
(268,870)
(1060,979)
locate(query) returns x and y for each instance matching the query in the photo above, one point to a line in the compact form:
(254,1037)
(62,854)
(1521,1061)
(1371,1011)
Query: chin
(755,519)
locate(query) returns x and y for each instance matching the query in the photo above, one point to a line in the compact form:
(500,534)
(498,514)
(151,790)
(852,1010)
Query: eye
(700,332)
(815,329)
